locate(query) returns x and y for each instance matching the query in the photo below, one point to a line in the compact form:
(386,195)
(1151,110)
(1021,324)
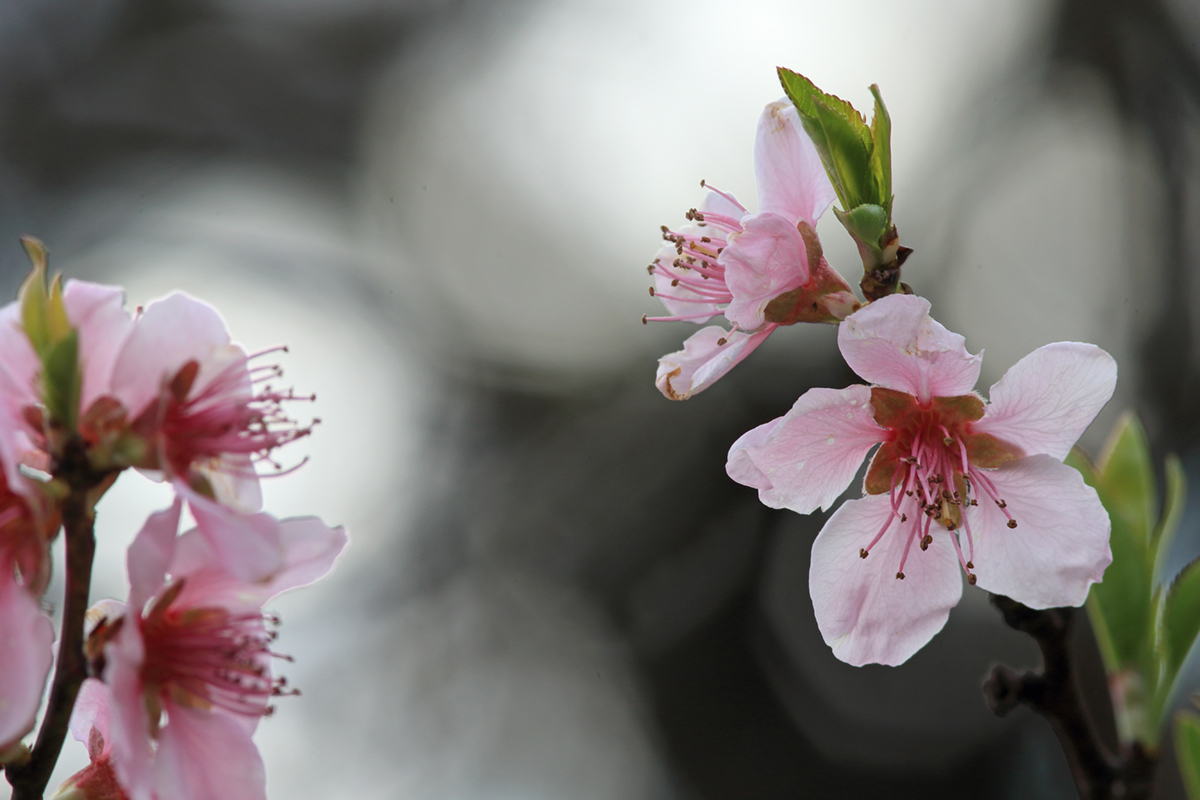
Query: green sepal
(868,224)
(1187,751)
(62,381)
(1130,494)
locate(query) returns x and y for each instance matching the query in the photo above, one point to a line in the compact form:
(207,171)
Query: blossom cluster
(959,487)
(173,680)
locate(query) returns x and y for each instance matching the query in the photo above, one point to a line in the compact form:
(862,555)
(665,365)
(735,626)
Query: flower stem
(1054,693)
(29,779)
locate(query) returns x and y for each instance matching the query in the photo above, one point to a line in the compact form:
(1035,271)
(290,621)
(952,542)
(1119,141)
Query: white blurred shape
(498,685)
(517,168)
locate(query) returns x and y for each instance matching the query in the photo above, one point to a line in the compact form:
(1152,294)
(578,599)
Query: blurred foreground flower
(760,270)
(991,474)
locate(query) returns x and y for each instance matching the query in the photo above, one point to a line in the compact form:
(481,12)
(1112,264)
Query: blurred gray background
(444,208)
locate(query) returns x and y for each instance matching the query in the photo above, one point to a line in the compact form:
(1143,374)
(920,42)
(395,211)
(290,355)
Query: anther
(722,342)
(702,183)
(904,517)
(1012,523)
(970,565)
(652,291)
(1002,504)
(899,576)
(644,319)
(675,282)
(862,552)
(971,578)
(947,441)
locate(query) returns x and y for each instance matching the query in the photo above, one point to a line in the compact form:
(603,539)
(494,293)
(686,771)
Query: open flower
(26,633)
(188,664)
(202,411)
(760,270)
(955,482)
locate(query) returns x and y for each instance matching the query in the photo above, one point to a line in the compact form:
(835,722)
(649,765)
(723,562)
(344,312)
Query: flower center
(205,657)
(695,274)
(932,465)
(230,415)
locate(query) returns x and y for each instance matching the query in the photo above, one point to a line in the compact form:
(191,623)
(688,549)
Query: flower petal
(171,332)
(20,363)
(1060,545)
(1046,401)
(702,360)
(805,459)
(204,755)
(98,312)
(26,642)
(894,343)
(864,612)
(150,554)
(762,262)
(247,546)
(91,711)
(129,724)
(791,179)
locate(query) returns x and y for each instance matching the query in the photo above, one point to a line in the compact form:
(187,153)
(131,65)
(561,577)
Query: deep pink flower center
(933,467)
(205,657)
(231,414)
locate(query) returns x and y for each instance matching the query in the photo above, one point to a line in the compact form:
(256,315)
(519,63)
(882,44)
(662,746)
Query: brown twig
(30,778)
(1054,693)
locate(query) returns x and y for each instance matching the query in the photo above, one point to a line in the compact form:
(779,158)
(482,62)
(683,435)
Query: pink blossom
(188,665)
(26,633)
(972,484)
(760,270)
(203,411)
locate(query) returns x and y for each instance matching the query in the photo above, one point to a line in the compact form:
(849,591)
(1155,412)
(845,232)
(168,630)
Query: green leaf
(62,380)
(1187,751)
(851,156)
(1181,618)
(1127,475)
(1172,512)
(881,149)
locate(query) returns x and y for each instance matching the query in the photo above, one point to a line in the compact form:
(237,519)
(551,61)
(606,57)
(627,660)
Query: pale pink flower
(188,665)
(98,313)
(759,270)
(203,411)
(952,474)
(26,633)
(89,726)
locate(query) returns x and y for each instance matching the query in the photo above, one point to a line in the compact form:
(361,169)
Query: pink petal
(805,459)
(98,312)
(715,202)
(765,260)
(702,360)
(245,545)
(151,552)
(666,293)
(234,481)
(20,364)
(1060,545)
(894,343)
(91,712)
(204,755)
(26,642)
(791,179)
(171,332)
(129,724)
(864,612)
(310,548)
(1046,401)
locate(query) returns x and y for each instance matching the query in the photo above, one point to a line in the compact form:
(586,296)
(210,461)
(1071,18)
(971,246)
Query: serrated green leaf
(1127,474)
(1172,512)
(1187,751)
(1181,618)
(851,156)
(62,380)
(881,151)
(805,94)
